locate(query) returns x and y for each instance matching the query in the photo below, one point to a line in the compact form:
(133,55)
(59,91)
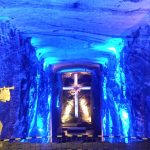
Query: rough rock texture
(39,111)
(74,31)
(76,17)
(17,55)
(137,64)
(133,0)
(28,111)
(30,107)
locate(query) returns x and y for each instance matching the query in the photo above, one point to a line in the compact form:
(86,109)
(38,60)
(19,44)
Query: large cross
(76,88)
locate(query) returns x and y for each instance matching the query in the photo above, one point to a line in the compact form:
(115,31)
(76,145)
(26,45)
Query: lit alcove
(109,107)
(77,107)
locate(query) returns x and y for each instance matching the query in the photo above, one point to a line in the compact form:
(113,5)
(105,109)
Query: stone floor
(75,146)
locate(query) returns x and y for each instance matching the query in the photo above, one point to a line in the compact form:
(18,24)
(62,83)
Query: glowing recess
(114,46)
(76,87)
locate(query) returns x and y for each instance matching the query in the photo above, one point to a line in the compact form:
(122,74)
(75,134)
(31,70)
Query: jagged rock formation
(71,31)
(76,17)
(27,112)
(16,69)
(137,64)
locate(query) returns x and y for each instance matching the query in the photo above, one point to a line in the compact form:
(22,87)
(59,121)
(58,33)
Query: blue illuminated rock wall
(115,106)
(127,99)
(39,112)
(137,70)
(125,82)
(28,111)
(18,69)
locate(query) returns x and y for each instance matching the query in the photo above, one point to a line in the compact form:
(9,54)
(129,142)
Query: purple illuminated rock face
(137,60)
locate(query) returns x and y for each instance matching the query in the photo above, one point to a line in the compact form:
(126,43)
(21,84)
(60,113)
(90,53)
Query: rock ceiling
(90,20)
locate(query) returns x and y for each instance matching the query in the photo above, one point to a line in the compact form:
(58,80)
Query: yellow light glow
(1,127)
(67,112)
(5,93)
(86,115)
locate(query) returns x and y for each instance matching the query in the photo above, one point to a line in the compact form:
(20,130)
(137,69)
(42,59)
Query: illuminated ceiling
(108,17)
(76,25)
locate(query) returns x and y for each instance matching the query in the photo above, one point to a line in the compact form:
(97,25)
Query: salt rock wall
(126,102)
(137,71)
(18,69)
